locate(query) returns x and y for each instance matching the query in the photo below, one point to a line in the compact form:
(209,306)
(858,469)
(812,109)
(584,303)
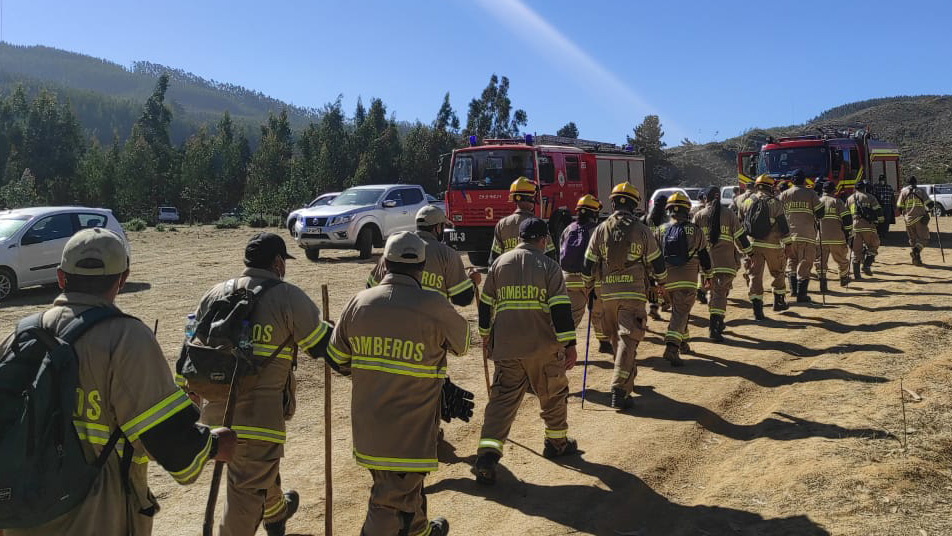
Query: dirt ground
(794,426)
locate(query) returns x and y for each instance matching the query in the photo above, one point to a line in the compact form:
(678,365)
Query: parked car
(32,241)
(693,194)
(727,195)
(439,203)
(323,199)
(941,195)
(360,218)
(168,215)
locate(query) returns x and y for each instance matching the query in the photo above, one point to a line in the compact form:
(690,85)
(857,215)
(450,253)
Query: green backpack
(43,469)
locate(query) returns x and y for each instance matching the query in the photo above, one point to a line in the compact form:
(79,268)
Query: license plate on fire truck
(457,236)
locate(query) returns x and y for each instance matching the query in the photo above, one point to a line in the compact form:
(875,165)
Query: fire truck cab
(564,169)
(843,156)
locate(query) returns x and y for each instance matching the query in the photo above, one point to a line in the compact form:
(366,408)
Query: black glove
(591,300)
(455,403)
(925,219)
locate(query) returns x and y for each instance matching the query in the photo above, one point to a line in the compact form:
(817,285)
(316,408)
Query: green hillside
(920,125)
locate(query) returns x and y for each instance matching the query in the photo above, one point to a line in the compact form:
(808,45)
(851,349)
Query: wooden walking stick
(935,216)
(219,466)
(486,368)
(328,482)
(819,232)
(588,342)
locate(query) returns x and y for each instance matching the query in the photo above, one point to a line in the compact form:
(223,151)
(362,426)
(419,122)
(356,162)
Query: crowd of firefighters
(392,338)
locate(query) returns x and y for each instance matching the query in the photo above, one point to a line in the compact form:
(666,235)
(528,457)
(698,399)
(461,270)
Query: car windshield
(812,161)
(8,226)
(492,169)
(322,201)
(693,193)
(356,196)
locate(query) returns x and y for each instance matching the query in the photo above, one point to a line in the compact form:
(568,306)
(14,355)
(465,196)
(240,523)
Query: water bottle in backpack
(190,326)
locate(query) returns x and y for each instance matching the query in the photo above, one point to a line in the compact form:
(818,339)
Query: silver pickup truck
(359,218)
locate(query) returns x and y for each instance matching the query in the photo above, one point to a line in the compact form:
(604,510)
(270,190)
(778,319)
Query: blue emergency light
(472,141)
(528,139)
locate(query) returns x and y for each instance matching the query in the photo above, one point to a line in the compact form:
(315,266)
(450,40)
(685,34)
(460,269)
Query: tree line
(46,157)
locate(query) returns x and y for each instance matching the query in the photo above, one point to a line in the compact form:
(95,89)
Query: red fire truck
(843,155)
(564,169)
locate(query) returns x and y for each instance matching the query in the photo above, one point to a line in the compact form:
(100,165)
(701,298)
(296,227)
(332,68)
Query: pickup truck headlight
(339,220)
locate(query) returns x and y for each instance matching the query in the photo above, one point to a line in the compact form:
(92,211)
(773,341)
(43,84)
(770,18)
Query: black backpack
(209,359)
(43,470)
(674,246)
(757,221)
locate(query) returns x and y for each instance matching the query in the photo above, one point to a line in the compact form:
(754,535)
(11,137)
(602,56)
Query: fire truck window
(854,161)
(571,169)
(463,170)
(546,170)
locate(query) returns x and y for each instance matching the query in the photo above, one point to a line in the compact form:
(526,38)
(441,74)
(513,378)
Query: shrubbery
(227,223)
(135,224)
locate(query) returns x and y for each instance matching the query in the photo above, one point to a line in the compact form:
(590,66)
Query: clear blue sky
(710,69)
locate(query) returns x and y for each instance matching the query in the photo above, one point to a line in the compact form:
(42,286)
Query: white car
(168,215)
(693,194)
(727,195)
(941,195)
(360,218)
(32,241)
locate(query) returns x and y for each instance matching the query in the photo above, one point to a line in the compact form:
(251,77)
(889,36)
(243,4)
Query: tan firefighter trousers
(721,285)
(772,259)
(870,239)
(800,261)
(254,489)
(682,299)
(545,375)
(396,504)
(625,324)
(841,257)
(579,299)
(918,234)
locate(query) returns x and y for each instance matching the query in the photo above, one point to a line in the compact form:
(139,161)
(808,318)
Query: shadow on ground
(47,293)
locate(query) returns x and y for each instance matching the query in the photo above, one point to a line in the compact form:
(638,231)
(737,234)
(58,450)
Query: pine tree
(446,118)
(489,115)
(649,142)
(568,131)
(20,192)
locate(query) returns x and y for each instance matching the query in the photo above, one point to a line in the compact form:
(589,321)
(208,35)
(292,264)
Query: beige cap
(405,247)
(95,251)
(431,215)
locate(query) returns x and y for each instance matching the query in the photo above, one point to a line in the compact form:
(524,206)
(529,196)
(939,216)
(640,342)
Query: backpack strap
(85,320)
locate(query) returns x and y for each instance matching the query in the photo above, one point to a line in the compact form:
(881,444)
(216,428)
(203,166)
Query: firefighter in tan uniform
(725,237)
(392,340)
(915,206)
(655,219)
(737,208)
(525,321)
(684,250)
(283,317)
(623,255)
(523,193)
(572,247)
(444,272)
(836,226)
(125,384)
(768,250)
(803,211)
(867,214)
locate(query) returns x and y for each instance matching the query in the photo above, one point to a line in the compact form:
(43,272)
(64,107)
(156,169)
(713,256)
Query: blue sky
(709,69)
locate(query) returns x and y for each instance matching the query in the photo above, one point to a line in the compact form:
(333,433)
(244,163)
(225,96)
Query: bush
(135,224)
(227,223)
(264,220)
(159,227)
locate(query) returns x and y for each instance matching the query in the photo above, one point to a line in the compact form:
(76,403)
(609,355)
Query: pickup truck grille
(315,222)
(315,236)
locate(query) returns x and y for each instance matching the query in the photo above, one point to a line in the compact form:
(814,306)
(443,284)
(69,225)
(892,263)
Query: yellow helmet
(588,202)
(809,183)
(678,200)
(626,190)
(522,189)
(764,180)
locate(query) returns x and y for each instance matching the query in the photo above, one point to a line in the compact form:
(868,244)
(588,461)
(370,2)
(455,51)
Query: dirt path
(792,427)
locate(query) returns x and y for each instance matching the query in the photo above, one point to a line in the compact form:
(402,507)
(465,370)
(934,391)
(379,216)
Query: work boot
(653,312)
(605,347)
(917,257)
(672,354)
(277,528)
(439,526)
(792,284)
(856,272)
(824,288)
(780,302)
(803,287)
(567,449)
(714,329)
(702,296)
(620,399)
(685,348)
(844,280)
(485,468)
(758,309)
(868,264)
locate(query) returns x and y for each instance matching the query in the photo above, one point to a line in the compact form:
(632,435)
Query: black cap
(263,248)
(828,187)
(532,229)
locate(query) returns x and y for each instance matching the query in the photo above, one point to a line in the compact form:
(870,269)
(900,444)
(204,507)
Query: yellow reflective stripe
(549,246)
(574,285)
(156,415)
(194,469)
(180,380)
(487,299)
(521,305)
(278,507)
(654,255)
(337,355)
(371,281)
(622,374)
(489,443)
(261,434)
(610,296)
(673,335)
(463,286)
(591,255)
(398,367)
(265,350)
(716,311)
(496,248)
(426,531)
(673,285)
(834,242)
(483,332)
(565,336)
(467,336)
(559,299)
(804,239)
(418,465)
(728,271)
(766,245)
(556,434)
(322,329)
(95,434)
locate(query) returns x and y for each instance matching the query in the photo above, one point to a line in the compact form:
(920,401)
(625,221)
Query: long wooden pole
(328,482)
(220,466)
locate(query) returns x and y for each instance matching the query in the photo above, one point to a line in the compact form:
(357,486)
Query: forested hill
(107,97)
(920,125)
